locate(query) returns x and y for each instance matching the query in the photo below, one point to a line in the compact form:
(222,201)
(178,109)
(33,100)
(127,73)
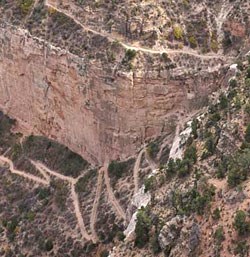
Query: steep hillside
(124,128)
(200,197)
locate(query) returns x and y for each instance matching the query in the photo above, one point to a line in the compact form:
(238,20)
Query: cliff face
(102,93)
(96,112)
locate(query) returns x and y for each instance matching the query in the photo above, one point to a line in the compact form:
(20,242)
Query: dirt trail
(45,169)
(111,195)
(22,173)
(93,216)
(46,172)
(74,196)
(132,47)
(78,214)
(41,170)
(136,171)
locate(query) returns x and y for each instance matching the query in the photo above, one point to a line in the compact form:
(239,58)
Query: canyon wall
(97,114)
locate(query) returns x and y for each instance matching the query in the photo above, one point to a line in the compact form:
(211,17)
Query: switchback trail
(74,196)
(111,195)
(43,169)
(22,173)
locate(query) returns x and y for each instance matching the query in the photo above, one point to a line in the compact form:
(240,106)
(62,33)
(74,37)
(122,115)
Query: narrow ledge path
(132,47)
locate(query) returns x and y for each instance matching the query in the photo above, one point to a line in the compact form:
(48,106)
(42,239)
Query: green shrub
(190,154)
(238,168)
(214,45)
(54,155)
(194,126)
(142,228)
(149,183)
(215,117)
(219,235)
(227,42)
(178,32)
(26,5)
(154,244)
(193,42)
(130,55)
(183,167)
(171,167)
(120,235)
(48,245)
(153,149)
(165,57)
(247,109)
(193,201)
(242,249)
(233,83)
(240,224)
(210,147)
(61,193)
(216,214)
(222,167)
(223,101)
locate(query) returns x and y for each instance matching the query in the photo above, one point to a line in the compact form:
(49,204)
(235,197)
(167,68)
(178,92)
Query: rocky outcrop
(194,237)
(170,233)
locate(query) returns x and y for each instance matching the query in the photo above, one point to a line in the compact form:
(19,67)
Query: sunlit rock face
(65,78)
(97,114)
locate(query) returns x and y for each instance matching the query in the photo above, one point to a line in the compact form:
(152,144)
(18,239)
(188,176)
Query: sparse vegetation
(56,156)
(82,183)
(193,201)
(118,169)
